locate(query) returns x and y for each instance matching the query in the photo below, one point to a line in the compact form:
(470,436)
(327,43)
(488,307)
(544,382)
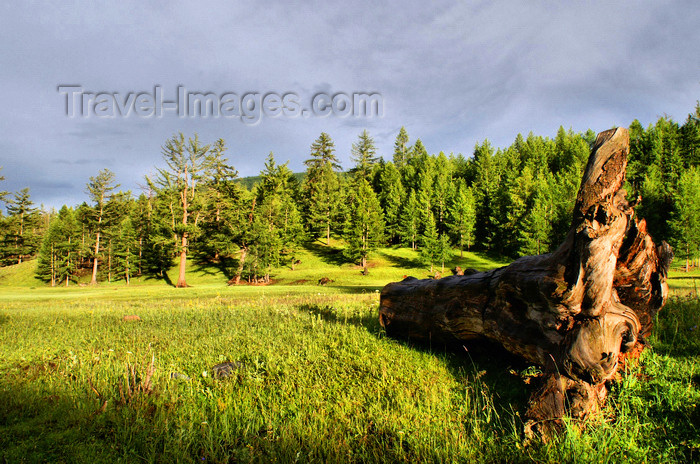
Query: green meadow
(315,378)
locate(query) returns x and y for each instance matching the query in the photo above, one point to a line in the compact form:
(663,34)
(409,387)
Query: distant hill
(249,182)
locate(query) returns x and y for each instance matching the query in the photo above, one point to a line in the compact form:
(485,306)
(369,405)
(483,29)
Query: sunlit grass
(319,381)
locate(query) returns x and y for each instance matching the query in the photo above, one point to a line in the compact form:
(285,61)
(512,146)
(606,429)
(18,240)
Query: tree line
(507,202)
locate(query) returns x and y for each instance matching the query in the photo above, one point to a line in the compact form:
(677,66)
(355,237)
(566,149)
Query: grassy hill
(317,260)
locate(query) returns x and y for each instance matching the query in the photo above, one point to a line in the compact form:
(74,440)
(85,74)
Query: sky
(452,73)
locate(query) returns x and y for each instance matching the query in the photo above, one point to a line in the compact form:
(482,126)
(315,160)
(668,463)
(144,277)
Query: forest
(506,202)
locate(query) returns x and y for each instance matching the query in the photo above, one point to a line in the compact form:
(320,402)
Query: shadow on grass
(402,262)
(477,361)
(328,254)
(207,266)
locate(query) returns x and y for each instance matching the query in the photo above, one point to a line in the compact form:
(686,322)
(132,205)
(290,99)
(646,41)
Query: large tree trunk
(573,311)
(181,282)
(93,280)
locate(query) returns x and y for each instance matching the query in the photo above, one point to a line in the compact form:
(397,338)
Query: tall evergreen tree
(58,256)
(125,249)
(410,221)
(401,148)
(222,196)
(187,164)
(391,197)
(100,189)
(322,189)
(536,224)
(462,216)
(442,191)
(430,246)
(364,230)
(364,154)
(686,220)
(486,178)
(277,223)
(21,237)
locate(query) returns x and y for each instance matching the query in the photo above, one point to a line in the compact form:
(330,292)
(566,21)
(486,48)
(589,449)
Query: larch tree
(100,189)
(187,164)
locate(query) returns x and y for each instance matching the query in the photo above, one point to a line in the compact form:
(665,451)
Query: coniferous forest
(507,202)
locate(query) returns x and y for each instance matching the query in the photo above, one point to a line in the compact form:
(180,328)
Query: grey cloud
(453,74)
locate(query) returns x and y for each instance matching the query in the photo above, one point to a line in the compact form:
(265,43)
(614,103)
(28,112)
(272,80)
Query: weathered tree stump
(573,311)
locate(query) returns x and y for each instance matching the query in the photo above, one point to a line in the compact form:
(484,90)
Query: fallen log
(573,311)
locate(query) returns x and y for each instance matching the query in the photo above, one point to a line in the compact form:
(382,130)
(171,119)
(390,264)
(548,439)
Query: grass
(318,381)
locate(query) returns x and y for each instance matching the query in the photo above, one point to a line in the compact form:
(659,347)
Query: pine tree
(536,225)
(21,237)
(126,248)
(486,178)
(443,250)
(442,191)
(401,148)
(364,154)
(686,220)
(430,243)
(391,197)
(410,221)
(222,197)
(322,189)
(276,225)
(58,255)
(690,138)
(141,222)
(462,216)
(364,230)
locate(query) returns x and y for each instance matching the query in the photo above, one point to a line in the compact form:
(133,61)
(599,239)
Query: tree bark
(573,311)
(181,282)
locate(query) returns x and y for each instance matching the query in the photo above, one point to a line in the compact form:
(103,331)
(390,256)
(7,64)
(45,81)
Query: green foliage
(322,190)
(508,202)
(391,197)
(401,153)
(686,221)
(364,229)
(59,253)
(276,229)
(21,234)
(364,154)
(410,221)
(430,243)
(462,216)
(189,165)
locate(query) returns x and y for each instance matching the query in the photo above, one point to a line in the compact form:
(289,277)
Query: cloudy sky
(452,73)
